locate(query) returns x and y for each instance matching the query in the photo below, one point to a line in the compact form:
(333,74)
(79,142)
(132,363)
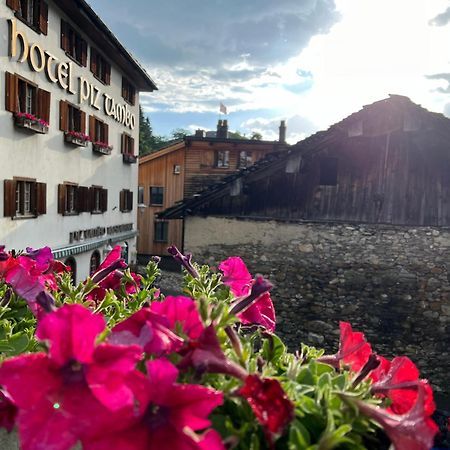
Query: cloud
(441,76)
(441,19)
(447,110)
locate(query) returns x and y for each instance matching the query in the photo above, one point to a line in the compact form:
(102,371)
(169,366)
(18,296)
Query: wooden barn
(386,164)
(184,168)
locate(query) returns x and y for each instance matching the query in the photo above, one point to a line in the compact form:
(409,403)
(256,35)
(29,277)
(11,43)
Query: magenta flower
(254,305)
(8,411)
(169,415)
(411,431)
(59,393)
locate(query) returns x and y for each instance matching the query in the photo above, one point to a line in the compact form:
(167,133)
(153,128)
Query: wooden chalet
(386,164)
(182,170)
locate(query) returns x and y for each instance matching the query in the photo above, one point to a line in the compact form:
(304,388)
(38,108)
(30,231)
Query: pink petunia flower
(8,411)
(169,416)
(254,304)
(59,393)
(353,351)
(414,430)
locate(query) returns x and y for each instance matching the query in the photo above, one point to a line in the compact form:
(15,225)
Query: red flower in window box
(31,122)
(129,158)
(102,147)
(77,138)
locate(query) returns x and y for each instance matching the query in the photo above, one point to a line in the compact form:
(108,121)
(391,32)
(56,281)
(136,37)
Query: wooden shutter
(92,128)
(107,73)
(9,201)
(62,199)
(131,149)
(43,107)
(124,93)
(91,199)
(33,198)
(93,60)
(83,199)
(12,92)
(106,131)
(63,116)
(13,4)
(43,17)
(122,200)
(83,121)
(123,143)
(103,200)
(41,190)
(132,94)
(64,36)
(130,200)
(84,49)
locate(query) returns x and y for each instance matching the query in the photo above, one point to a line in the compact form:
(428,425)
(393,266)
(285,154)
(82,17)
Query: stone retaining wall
(393,283)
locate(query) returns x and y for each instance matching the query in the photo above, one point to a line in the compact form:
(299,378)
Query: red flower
(353,349)
(74,383)
(269,402)
(400,385)
(169,416)
(381,371)
(411,431)
(256,306)
(8,411)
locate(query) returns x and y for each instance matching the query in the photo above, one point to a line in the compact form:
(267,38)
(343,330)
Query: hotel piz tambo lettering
(62,74)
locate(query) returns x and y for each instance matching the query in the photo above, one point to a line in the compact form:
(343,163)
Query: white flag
(223,108)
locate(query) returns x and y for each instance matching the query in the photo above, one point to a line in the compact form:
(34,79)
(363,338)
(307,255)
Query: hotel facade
(69,133)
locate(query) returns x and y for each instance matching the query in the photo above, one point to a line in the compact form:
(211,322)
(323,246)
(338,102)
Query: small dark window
(176,169)
(72,264)
(24,198)
(95,262)
(128,91)
(245,159)
(73,199)
(161,231)
(27,96)
(73,44)
(328,171)
(98,199)
(33,12)
(98,131)
(223,158)
(140,195)
(126,200)
(156,195)
(100,67)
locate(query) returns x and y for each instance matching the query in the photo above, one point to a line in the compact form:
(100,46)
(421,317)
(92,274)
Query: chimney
(222,129)
(199,133)
(225,128)
(282,136)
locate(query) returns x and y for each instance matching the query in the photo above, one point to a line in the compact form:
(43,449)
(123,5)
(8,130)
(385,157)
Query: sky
(309,62)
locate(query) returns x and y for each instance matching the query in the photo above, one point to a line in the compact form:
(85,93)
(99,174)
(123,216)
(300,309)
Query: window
(176,169)
(245,159)
(72,264)
(100,67)
(98,130)
(33,12)
(223,158)
(73,44)
(128,91)
(23,96)
(94,262)
(71,118)
(126,200)
(156,195)
(140,195)
(328,171)
(161,231)
(72,199)
(128,149)
(24,198)
(98,199)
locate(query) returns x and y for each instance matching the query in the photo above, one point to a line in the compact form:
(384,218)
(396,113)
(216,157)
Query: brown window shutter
(41,189)
(104,200)
(83,121)
(13,4)
(123,143)
(130,200)
(92,128)
(64,36)
(62,199)
(108,73)
(91,199)
(43,17)
(63,116)
(106,129)
(9,201)
(11,96)
(93,60)
(122,200)
(123,88)
(131,149)
(44,105)
(133,95)
(84,49)
(83,199)
(77,200)
(33,198)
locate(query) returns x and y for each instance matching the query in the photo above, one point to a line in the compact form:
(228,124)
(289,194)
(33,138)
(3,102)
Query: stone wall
(393,283)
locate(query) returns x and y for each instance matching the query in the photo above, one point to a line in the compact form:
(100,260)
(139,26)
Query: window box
(76,138)
(129,159)
(30,122)
(102,147)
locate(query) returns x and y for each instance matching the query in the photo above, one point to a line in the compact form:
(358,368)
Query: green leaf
(273,349)
(299,437)
(19,343)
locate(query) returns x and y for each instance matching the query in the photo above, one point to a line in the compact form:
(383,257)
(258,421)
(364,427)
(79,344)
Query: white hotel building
(69,132)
